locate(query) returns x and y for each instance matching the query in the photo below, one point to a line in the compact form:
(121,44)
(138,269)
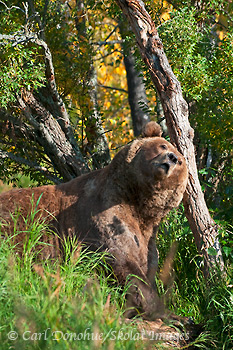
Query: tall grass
(207,302)
(60,305)
(77,304)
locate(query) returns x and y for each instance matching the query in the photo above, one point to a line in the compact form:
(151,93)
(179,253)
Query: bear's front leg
(142,298)
(134,261)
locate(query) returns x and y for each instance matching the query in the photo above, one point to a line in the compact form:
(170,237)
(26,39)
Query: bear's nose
(173,157)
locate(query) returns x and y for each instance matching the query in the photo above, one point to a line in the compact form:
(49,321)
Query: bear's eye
(163,146)
(180,162)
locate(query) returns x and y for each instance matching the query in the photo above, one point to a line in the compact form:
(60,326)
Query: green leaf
(212,251)
(227,250)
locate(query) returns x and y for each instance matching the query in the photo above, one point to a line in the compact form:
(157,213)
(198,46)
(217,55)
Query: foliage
(80,41)
(211,303)
(66,305)
(198,42)
(76,297)
(19,70)
(181,47)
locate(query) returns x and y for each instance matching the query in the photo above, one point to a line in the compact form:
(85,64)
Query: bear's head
(160,161)
(153,164)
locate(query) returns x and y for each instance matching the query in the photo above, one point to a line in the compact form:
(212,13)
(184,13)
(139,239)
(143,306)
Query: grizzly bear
(117,209)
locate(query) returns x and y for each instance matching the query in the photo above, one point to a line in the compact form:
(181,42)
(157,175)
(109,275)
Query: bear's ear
(152,129)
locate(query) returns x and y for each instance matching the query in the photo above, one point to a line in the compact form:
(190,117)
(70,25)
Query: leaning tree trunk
(44,119)
(175,109)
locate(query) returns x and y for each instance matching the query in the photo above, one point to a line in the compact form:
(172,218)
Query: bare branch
(108,54)
(10,8)
(111,33)
(112,88)
(17,38)
(33,165)
(63,116)
(111,42)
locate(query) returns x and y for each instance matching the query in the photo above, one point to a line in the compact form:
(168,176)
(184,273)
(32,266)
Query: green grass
(77,304)
(61,306)
(207,302)
(18,180)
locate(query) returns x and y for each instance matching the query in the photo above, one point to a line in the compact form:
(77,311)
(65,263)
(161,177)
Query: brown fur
(152,129)
(117,208)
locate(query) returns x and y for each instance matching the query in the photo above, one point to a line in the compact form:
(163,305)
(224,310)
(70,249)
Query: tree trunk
(175,109)
(47,123)
(51,136)
(97,141)
(136,89)
(160,116)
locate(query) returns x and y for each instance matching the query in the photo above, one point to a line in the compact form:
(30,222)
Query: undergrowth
(209,303)
(77,304)
(70,304)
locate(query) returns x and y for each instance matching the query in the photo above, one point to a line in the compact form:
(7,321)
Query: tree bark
(40,117)
(97,141)
(48,121)
(136,89)
(175,109)
(52,138)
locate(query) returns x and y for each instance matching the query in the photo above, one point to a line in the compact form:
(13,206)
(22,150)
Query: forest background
(98,72)
(73,90)
(103,90)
